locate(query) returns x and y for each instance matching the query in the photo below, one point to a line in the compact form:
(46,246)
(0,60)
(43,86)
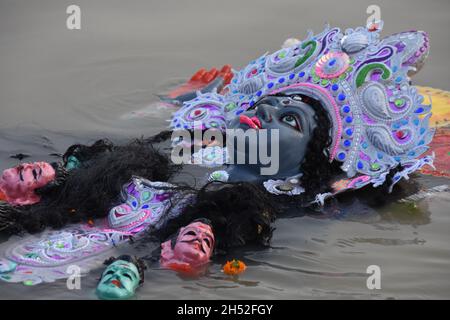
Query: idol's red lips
(116,283)
(252,122)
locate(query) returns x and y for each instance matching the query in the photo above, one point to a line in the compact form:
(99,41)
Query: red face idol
(193,247)
(18,184)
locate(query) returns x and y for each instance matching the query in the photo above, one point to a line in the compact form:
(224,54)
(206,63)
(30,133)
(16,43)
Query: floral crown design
(379,120)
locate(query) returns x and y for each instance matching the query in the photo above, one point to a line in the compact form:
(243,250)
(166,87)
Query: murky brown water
(58,87)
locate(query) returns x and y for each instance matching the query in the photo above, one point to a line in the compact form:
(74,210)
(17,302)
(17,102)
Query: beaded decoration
(210,157)
(144,203)
(47,258)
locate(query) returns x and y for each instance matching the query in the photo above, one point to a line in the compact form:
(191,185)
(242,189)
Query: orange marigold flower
(234,267)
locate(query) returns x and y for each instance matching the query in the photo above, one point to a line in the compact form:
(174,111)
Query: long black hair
(239,213)
(316,167)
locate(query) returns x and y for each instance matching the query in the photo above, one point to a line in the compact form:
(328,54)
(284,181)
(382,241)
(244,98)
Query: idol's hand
(203,81)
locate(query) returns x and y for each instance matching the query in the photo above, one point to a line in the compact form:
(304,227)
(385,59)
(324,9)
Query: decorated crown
(363,81)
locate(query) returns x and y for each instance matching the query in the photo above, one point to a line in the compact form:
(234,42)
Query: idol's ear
(412,49)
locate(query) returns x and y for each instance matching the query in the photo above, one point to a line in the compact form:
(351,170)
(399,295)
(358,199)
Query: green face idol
(119,281)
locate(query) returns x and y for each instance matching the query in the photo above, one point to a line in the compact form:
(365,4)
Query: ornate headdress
(378,119)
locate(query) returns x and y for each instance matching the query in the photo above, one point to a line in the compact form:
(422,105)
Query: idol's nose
(264,112)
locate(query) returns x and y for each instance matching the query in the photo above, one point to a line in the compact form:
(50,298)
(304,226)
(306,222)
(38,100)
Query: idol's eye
(254,107)
(207,242)
(127,275)
(109,272)
(290,120)
(190,233)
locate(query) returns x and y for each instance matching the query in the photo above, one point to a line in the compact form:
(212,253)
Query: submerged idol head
(120,279)
(378,121)
(293,116)
(19,183)
(191,247)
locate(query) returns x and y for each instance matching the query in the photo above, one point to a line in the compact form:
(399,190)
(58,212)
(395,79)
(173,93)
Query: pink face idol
(194,246)
(18,183)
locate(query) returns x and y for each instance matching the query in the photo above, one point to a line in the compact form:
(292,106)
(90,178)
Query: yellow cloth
(440,105)
(440,119)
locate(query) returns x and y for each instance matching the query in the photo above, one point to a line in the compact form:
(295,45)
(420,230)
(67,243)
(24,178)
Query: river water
(60,86)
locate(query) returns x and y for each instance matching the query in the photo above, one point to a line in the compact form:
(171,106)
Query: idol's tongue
(252,122)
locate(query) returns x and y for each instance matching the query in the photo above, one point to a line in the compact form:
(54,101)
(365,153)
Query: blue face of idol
(295,121)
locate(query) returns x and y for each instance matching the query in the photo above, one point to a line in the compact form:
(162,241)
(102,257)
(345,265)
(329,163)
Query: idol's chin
(252,173)
(191,256)
(113,293)
(241,173)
